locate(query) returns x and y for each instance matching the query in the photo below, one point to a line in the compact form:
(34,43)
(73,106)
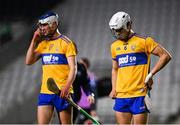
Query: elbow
(75,69)
(27,62)
(114,70)
(74,73)
(168,57)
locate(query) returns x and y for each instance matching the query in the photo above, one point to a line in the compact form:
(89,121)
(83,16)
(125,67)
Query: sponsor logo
(53,58)
(131,59)
(50,59)
(127,59)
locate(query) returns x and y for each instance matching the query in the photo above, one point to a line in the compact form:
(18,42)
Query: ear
(129,25)
(54,26)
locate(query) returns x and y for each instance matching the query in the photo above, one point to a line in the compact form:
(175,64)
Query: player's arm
(114,78)
(164,58)
(31,55)
(71,76)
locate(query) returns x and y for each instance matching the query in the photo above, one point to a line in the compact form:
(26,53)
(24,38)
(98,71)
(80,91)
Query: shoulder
(115,42)
(68,43)
(149,38)
(66,39)
(144,38)
(42,43)
(140,36)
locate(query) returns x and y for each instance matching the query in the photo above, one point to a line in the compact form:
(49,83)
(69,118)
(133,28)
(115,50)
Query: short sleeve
(39,48)
(71,49)
(150,44)
(113,54)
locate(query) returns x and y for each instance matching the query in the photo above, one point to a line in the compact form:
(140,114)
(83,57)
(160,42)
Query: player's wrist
(148,77)
(150,74)
(91,94)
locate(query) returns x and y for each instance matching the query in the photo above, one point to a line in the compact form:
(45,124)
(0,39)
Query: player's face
(45,29)
(122,34)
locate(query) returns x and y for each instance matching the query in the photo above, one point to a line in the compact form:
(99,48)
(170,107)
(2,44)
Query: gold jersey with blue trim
(133,58)
(54,55)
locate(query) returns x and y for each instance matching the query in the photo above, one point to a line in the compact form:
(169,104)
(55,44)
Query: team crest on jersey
(57,49)
(133,47)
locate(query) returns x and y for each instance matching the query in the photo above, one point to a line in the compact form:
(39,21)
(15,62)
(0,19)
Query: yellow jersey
(133,58)
(54,55)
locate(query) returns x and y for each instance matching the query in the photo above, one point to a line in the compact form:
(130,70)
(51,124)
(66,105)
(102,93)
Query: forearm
(30,56)
(71,76)
(163,60)
(114,78)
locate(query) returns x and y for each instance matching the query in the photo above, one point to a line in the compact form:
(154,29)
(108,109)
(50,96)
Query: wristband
(92,94)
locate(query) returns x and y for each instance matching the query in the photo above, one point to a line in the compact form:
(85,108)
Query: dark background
(25,9)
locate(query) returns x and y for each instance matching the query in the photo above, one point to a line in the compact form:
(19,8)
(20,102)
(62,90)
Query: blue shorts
(54,100)
(135,105)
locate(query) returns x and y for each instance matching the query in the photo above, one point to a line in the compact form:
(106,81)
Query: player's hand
(113,94)
(91,99)
(148,77)
(149,81)
(64,92)
(37,35)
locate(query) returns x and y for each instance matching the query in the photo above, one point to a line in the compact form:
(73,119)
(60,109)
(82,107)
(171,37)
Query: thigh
(140,118)
(138,106)
(123,113)
(60,104)
(66,116)
(123,117)
(44,114)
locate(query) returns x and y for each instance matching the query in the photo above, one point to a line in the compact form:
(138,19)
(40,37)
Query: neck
(129,36)
(55,35)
